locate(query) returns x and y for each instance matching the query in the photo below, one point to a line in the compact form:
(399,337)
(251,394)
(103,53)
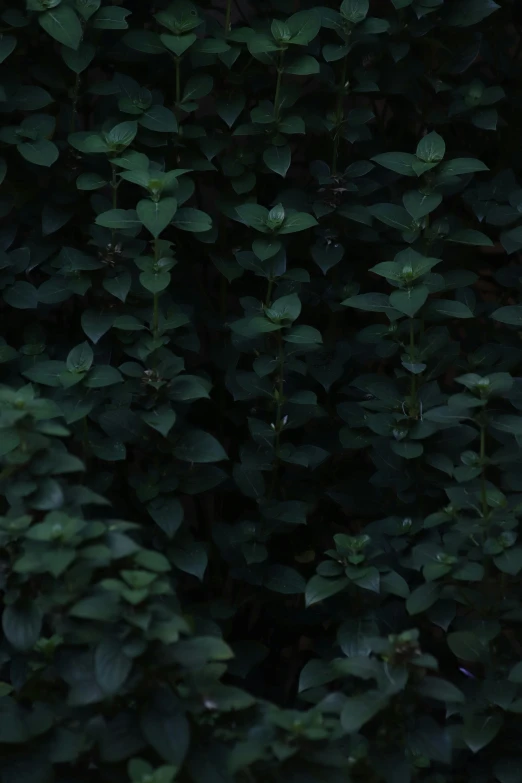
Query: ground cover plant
(260,391)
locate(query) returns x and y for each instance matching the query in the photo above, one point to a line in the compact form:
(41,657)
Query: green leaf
(160,419)
(111,18)
(303,26)
(319,588)
(278,159)
(464,13)
(284,580)
(41,152)
(452,168)
(212,46)
(145,41)
(119,218)
(78,59)
(178,44)
(95,324)
(510,314)
(507,770)
(466,645)
(470,236)
(358,710)
(393,216)
(316,673)
(191,558)
(159,119)
(22,626)
(197,87)
(266,248)
(298,221)
(515,675)
(188,219)
(253,215)
(119,285)
(422,598)
(22,296)
(168,734)
(87,181)
(250,481)
(400,162)
(47,372)
(286,308)
(480,730)
(198,446)
(87,8)
(156,215)
(334,52)
(111,665)
(409,301)
(189,387)
(80,358)
(510,561)
(155,282)
(355,10)
(376,303)
(7,46)
(512,240)
(62,24)
(102,375)
(441,690)
(167,513)
(230,108)
(10,440)
(303,66)
(420,204)
(431,148)
(450,308)
(303,335)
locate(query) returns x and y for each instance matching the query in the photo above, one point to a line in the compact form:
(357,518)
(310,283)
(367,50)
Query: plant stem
(483,488)
(227,16)
(114,186)
(155,305)
(278,83)
(178,79)
(268,298)
(339,116)
(74,104)
(413,380)
(85,438)
(278,424)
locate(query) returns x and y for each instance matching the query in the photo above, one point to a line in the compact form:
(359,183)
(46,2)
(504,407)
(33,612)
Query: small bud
(276,217)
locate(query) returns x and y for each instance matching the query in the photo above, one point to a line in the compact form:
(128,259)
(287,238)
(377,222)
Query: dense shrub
(260,404)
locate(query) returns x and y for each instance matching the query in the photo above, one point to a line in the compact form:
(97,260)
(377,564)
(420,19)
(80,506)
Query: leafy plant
(260,404)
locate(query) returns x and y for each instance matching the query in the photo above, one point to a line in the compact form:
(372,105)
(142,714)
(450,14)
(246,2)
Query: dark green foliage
(260,391)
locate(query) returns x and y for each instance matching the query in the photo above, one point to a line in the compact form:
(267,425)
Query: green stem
(227,16)
(277,107)
(114,186)
(85,438)
(483,488)
(413,381)
(74,105)
(278,425)
(268,298)
(339,116)
(178,79)
(155,305)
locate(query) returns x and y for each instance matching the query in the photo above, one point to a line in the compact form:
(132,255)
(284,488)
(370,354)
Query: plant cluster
(260,391)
